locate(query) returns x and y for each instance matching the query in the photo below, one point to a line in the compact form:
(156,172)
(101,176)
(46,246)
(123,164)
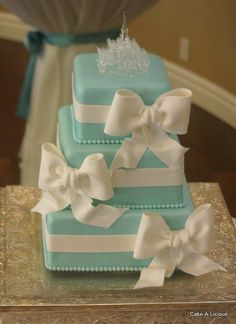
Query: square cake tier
(72,246)
(93,94)
(151,185)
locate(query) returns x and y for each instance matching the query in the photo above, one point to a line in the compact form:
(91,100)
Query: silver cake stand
(31,294)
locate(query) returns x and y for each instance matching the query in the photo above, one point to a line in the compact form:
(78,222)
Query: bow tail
(164,147)
(154,275)
(51,201)
(151,277)
(198,264)
(164,262)
(86,213)
(130,153)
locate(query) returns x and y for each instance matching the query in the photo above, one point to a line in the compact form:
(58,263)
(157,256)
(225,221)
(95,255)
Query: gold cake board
(31,294)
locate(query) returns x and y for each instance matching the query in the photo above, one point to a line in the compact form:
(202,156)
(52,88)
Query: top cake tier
(93,94)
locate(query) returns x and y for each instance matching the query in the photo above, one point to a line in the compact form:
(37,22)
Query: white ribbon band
(89,243)
(183,249)
(90,114)
(148,177)
(63,186)
(93,114)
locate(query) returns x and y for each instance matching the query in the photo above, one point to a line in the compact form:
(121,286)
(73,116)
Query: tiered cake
(115,182)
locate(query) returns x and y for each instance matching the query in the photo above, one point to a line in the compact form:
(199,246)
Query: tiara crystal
(123,56)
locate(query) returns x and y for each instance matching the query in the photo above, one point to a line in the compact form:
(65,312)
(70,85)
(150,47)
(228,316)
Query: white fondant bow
(170,113)
(182,249)
(63,185)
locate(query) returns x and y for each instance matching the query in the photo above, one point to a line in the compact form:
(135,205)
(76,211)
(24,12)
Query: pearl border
(151,206)
(95,269)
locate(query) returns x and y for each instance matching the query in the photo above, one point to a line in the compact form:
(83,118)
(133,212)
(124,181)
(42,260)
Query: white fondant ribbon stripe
(148,177)
(150,126)
(63,186)
(183,249)
(88,243)
(92,114)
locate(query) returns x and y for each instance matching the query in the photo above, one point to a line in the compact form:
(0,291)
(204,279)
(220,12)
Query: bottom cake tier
(72,246)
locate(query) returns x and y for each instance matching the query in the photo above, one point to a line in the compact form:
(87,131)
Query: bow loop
(52,167)
(65,186)
(175,108)
(124,113)
(95,177)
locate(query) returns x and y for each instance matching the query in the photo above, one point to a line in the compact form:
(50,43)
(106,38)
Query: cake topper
(123,56)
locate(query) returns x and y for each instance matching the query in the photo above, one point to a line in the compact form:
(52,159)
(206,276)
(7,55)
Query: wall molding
(206,94)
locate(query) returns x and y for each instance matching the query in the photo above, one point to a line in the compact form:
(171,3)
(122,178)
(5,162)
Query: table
(31,294)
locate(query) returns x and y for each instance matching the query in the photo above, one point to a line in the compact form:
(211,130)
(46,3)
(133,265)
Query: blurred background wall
(208,26)
(196,38)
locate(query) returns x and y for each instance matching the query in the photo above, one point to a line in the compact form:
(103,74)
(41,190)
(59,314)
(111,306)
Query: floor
(212,157)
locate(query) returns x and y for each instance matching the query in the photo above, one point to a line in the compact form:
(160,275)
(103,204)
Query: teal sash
(34,44)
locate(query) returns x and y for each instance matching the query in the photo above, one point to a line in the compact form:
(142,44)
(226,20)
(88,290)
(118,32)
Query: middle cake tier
(151,185)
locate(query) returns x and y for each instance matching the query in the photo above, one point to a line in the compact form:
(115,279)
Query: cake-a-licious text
(208,314)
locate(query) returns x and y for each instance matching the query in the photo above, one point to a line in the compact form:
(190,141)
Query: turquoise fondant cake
(114,190)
